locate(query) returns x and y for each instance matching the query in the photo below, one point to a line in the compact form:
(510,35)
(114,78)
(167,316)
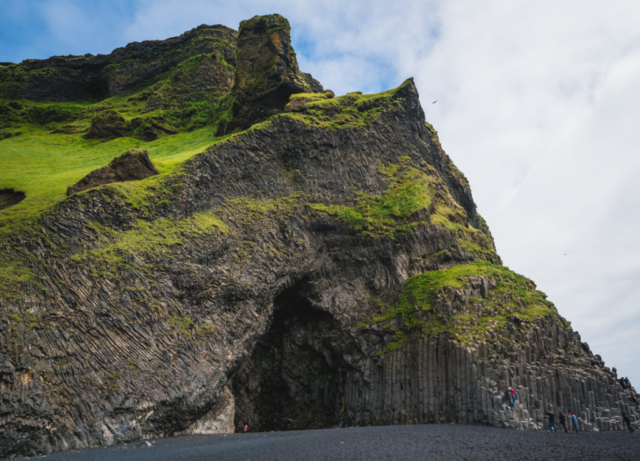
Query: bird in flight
(434,101)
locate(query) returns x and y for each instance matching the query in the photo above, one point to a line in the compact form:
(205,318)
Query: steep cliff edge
(323,260)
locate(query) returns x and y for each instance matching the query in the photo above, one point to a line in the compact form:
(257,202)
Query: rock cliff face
(324,260)
(124,71)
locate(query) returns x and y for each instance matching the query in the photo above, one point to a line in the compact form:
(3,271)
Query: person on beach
(627,421)
(246,426)
(563,421)
(552,422)
(349,419)
(512,396)
(574,420)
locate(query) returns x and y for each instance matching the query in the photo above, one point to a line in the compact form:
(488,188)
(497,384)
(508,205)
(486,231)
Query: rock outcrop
(267,73)
(326,260)
(107,125)
(130,166)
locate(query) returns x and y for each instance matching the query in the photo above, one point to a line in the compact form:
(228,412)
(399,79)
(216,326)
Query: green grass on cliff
(43,165)
(397,210)
(145,239)
(514,295)
(349,111)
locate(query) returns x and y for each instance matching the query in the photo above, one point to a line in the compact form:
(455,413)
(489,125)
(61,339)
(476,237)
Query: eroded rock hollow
(326,260)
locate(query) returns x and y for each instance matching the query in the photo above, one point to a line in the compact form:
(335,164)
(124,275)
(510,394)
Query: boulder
(107,125)
(297,105)
(130,166)
(151,128)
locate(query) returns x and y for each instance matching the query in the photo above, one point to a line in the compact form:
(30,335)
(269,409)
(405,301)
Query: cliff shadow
(10,197)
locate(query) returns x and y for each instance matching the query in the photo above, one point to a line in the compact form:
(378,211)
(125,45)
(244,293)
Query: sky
(538,103)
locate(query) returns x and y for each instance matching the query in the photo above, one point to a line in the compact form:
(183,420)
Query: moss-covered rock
(125,71)
(107,125)
(149,128)
(130,166)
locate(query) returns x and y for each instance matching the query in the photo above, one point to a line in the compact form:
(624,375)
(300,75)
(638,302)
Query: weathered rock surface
(151,128)
(124,71)
(206,76)
(278,264)
(131,166)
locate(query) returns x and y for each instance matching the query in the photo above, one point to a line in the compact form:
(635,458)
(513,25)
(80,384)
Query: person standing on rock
(552,422)
(512,396)
(627,421)
(574,420)
(563,421)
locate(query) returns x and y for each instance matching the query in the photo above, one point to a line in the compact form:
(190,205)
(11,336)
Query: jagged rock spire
(267,72)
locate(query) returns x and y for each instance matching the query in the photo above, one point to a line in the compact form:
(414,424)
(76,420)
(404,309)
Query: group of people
(625,383)
(574,421)
(511,393)
(563,421)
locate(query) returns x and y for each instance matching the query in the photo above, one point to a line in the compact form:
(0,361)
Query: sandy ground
(406,443)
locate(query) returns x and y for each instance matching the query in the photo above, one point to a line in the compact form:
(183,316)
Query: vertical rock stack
(267,72)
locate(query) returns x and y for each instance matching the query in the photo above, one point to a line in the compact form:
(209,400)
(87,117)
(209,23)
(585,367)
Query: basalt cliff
(289,256)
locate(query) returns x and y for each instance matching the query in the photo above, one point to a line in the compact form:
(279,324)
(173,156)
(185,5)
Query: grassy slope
(43,165)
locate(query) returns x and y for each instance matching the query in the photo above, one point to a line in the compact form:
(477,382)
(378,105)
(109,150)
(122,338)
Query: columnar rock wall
(436,380)
(313,368)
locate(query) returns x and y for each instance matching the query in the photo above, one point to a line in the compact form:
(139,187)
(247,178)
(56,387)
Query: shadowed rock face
(130,166)
(9,197)
(284,276)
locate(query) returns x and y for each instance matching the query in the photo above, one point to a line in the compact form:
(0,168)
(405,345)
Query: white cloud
(539,108)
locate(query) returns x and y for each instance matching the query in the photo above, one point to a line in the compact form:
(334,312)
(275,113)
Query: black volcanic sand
(405,443)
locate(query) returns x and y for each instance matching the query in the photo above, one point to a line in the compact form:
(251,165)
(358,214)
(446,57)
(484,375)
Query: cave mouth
(10,197)
(293,379)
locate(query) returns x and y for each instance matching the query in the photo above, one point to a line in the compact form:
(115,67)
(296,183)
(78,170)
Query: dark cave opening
(294,378)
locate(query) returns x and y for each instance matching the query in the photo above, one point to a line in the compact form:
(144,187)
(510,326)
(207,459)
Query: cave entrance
(9,197)
(293,379)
